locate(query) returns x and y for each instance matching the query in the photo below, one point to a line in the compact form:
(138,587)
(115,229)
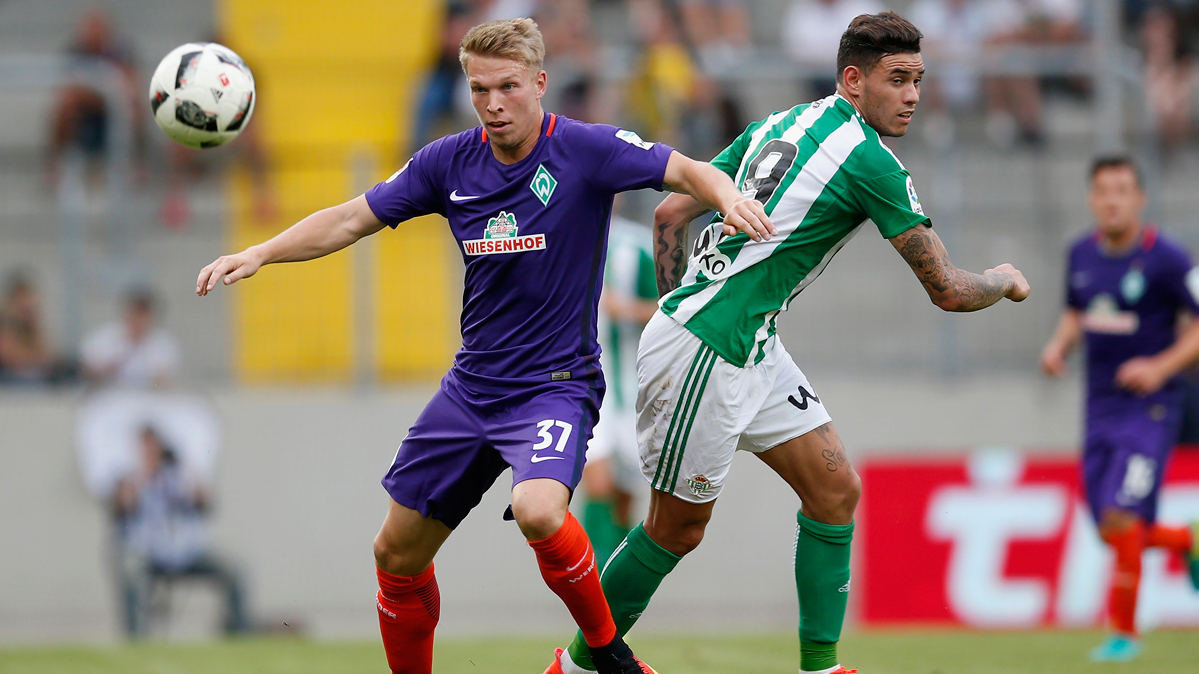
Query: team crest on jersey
(503,236)
(913,199)
(699,485)
(543,185)
(1132,286)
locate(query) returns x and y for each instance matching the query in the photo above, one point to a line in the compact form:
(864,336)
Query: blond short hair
(516,39)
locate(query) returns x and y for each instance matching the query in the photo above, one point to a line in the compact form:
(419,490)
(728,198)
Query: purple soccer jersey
(1129,306)
(1129,303)
(533,236)
(525,388)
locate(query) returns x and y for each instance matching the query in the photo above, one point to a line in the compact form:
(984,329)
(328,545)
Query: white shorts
(615,438)
(695,409)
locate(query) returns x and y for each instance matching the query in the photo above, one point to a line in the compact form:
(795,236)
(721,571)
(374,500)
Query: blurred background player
(715,379)
(629,299)
(525,388)
(1127,284)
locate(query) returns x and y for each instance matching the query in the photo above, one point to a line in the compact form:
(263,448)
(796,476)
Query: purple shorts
(470,432)
(1128,442)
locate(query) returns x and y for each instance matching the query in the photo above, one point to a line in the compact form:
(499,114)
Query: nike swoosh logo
(539,459)
(454,197)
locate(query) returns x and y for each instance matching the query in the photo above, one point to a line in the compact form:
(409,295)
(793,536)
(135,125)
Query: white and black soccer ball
(202,94)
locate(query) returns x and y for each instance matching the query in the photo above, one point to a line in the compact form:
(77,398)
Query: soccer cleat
(1117,648)
(1192,557)
(556,666)
(835,670)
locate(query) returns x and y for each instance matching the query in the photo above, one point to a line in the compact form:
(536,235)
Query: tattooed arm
(954,289)
(671,218)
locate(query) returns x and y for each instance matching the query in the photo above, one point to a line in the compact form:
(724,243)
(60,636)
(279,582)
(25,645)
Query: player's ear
(540,82)
(851,79)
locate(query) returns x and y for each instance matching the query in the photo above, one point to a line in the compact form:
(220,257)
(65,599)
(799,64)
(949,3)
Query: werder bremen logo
(502,226)
(543,185)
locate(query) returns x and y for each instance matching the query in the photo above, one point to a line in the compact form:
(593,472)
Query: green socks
(603,530)
(822,581)
(630,579)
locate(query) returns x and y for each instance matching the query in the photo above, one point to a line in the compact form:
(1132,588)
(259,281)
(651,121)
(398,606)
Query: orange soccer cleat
(636,667)
(555,666)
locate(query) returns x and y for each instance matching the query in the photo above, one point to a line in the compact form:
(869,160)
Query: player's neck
(1117,243)
(512,154)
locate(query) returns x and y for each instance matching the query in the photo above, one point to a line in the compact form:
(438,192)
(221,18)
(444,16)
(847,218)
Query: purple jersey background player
(524,390)
(1127,286)
(1128,306)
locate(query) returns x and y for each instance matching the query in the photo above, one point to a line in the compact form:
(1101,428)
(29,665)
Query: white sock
(830,670)
(569,667)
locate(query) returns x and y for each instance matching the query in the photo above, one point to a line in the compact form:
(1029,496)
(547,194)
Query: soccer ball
(202,94)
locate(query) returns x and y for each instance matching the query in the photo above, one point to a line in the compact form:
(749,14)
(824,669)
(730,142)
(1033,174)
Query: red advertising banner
(1000,538)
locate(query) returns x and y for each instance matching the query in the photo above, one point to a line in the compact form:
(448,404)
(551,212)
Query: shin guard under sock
(1128,545)
(630,579)
(409,607)
(822,583)
(568,566)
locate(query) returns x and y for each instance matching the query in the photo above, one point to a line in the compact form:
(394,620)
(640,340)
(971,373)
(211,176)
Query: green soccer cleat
(1192,557)
(1117,648)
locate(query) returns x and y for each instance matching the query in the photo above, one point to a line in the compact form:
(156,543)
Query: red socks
(409,607)
(1175,539)
(1126,578)
(568,566)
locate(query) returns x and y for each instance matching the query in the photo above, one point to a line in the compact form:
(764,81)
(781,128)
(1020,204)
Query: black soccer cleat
(618,658)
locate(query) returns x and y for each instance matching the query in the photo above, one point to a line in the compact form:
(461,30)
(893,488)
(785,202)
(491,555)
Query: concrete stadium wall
(298,503)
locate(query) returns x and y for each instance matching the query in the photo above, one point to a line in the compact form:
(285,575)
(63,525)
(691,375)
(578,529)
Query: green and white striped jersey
(821,172)
(630,272)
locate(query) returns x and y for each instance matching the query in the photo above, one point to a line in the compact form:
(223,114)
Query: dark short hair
(1115,161)
(141,298)
(871,37)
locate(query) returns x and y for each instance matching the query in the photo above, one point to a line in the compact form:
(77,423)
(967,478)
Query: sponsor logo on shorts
(699,485)
(845,587)
(1139,478)
(804,397)
(502,236)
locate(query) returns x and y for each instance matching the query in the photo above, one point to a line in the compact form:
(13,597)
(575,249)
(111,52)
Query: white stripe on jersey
(793,207)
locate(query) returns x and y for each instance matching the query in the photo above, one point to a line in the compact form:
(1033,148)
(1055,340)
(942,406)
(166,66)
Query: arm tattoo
(670,262)
(950,288)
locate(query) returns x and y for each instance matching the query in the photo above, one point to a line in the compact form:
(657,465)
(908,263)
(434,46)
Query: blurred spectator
(1014,101)
(162,535)
(570,58)
(718,30)
(25,353)
(666,82)
(134,353)
(1169,77)
(954,31)
(811,36)
(80,119)
(438,102)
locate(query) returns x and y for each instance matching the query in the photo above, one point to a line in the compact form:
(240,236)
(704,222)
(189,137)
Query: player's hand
(1143,376)
(1020,287)
(1053,360)
(232,267)
(748,215)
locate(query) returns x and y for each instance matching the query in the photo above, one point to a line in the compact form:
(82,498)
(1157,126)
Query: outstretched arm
(713,189)
(326,231)
(954,289)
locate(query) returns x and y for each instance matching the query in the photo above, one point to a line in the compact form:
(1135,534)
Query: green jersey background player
(714,377)
(612,473)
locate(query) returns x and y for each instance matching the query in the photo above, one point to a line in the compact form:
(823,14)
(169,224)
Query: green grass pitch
(897,652)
